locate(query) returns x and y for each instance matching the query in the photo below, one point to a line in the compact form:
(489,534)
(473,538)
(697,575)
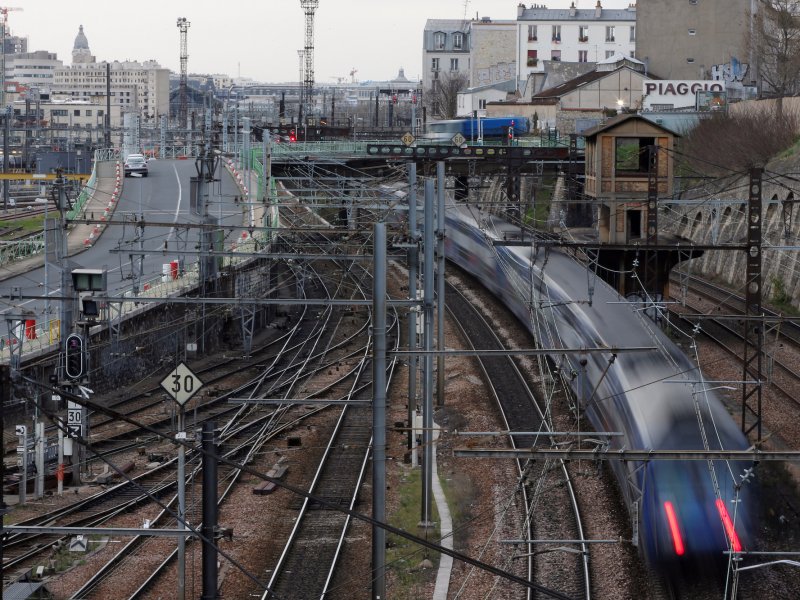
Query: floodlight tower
(183,107)
(309,6)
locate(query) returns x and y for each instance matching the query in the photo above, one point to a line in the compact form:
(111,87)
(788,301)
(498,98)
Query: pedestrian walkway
(105,184)
(445,528)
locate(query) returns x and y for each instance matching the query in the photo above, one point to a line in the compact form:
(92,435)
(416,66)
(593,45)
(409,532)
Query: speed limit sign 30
(181,384)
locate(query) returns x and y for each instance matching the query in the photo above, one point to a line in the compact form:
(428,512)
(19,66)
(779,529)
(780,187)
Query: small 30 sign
(181,384)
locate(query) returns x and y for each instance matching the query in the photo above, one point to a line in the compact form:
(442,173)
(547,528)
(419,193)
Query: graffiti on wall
(496,73)
(732,72)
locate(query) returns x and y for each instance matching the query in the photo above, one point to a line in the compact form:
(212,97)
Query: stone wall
(723,222)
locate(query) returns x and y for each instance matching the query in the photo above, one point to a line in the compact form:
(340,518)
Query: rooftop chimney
(572,10)
(598,10)
(520,8)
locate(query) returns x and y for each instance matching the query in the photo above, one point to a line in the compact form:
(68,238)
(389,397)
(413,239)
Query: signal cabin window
(631,156)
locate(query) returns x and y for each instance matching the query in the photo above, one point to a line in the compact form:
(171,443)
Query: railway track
(728,334)
(552,506)
(275,377)
(305,567)
(321,360)
(244,443)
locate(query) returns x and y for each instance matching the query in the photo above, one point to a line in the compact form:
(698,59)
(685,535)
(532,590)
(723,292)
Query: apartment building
(572,35)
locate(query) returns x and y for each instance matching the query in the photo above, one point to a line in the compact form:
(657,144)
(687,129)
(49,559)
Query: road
(163,196)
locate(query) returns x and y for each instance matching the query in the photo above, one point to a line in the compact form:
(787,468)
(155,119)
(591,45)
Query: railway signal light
(74,356)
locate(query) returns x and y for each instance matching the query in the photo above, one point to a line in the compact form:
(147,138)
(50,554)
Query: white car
(136,163)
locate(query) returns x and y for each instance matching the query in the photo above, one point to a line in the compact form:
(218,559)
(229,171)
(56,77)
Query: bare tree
(776,41)
(442,97)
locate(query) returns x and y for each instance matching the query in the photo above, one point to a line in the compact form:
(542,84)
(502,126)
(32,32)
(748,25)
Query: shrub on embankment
(739,140)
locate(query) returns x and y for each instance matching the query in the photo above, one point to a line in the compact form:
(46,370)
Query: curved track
(522,412)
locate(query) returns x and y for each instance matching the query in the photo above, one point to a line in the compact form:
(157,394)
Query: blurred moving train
(473,129)
(688,514)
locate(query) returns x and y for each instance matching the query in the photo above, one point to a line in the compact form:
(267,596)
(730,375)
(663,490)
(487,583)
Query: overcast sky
(258,39)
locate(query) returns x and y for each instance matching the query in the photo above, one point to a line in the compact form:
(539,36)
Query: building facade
(493,52)
(33,69)
(572,35)
(135,87)
(697,39)
(445,50)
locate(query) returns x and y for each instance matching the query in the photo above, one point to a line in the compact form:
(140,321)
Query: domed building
(137,87)
(80,50)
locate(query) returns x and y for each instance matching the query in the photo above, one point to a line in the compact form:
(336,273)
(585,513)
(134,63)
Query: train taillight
(674,529)
(730,530)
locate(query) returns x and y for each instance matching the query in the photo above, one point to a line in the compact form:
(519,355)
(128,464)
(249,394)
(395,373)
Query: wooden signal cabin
(617,172)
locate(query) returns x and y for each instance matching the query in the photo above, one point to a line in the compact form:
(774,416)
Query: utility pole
(62,251)
(206,165)
(183,107)
(440,202)
(427,410)
(379,413)
(209,528)
(6,136)
(5,399)
(754,330)
(108,107)
(413,270)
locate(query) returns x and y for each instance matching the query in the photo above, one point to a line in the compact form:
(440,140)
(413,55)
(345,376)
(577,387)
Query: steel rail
(584,550)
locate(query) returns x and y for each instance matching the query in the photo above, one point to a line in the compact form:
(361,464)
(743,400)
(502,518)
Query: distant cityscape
(532,66)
